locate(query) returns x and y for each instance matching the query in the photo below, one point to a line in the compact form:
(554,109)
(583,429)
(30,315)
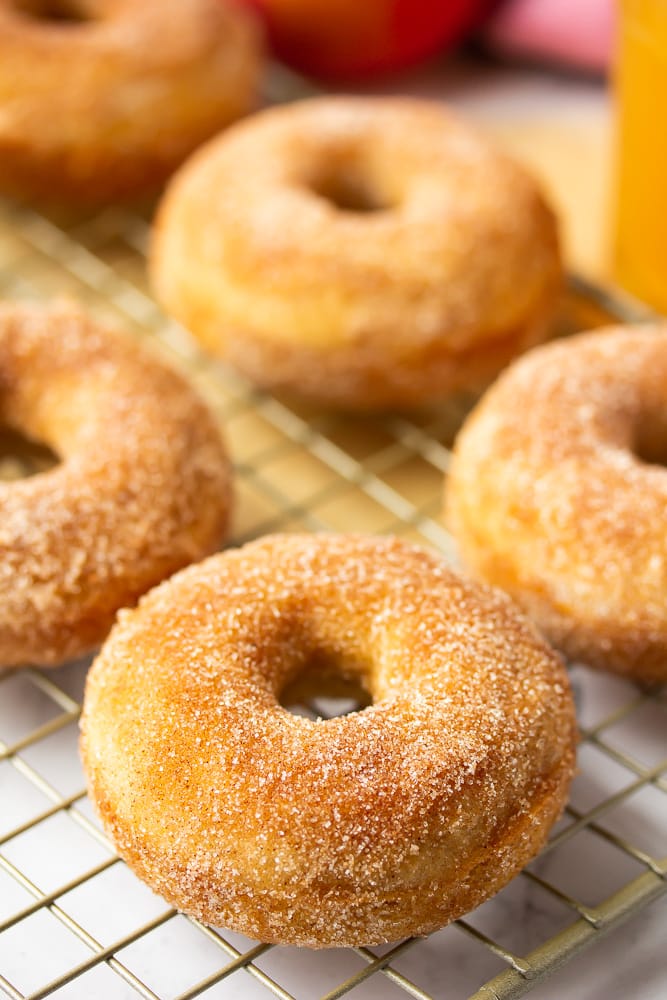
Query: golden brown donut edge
(361,829)
(456,271)
(143,486)
(106,108)
(557,493)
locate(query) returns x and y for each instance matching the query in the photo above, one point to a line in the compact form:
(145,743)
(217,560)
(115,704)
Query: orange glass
(640,251)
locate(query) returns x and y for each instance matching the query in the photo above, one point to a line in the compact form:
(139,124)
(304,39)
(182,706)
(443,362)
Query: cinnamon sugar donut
(142,487)
(365,252)
(558,494)
(355,830)
(101,99)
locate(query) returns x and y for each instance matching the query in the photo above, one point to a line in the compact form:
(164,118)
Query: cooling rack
(75,923)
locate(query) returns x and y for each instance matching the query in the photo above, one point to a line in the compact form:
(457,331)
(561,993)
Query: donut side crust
(361,916)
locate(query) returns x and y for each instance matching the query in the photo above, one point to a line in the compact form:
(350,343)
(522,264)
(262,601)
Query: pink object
(572,32)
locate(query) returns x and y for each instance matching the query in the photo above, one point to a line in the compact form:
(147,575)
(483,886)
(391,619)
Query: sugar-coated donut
(365,252)
(142,487)
(359,829)
(558,494)
(101,99)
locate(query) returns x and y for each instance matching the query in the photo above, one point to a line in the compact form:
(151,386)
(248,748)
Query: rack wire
(74,922)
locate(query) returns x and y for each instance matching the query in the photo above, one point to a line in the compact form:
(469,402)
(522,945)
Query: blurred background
(533,72)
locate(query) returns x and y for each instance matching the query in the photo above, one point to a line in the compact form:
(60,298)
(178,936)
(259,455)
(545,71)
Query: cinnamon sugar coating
(355,830)
(106,105)
(368,253)
(141,490)
(558,494)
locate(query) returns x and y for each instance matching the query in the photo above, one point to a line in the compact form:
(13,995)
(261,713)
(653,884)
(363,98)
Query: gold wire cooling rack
(74,922)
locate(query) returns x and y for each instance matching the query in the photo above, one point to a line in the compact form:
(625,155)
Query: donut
(102,99)
(366,253)
(558,491)
(353,830)
(141,488)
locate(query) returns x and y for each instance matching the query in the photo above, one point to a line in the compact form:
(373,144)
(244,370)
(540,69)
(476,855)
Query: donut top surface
(103,98)
(386,224)
(204,778)
(119,43)
(558,493)
(180,31)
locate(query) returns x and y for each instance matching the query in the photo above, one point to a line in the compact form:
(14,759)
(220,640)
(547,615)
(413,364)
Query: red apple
(347,39)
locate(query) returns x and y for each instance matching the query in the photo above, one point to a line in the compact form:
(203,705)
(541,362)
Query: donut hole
(21,456)
(650,444)
(350,188)
(54,10)
(324,690)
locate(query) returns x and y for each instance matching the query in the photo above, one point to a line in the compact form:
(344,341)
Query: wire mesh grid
(74,922)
